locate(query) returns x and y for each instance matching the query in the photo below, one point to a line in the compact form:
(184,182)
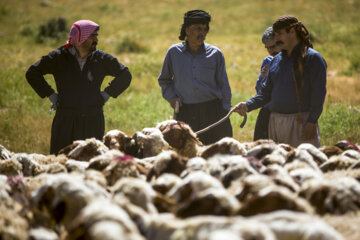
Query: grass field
(138,33)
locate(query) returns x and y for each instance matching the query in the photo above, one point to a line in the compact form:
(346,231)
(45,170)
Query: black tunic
(79,112)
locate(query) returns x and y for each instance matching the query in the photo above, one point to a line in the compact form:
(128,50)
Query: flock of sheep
(162,183)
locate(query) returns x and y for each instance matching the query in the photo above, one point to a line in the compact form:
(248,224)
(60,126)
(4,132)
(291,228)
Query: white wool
(352,154)
(95,143)
(152,141)
(197,181)
(138,191)
(318,155)
(289,225)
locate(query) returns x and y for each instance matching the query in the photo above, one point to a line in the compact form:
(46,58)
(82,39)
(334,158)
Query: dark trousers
(70,125)
(262,125)
(201,115)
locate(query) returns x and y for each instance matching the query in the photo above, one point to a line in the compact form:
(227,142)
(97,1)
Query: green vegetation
(139,32)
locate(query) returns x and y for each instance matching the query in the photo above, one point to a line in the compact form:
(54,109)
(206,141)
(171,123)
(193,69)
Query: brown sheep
(180,137)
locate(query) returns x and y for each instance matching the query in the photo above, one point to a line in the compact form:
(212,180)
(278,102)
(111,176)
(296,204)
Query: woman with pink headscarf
(79,70)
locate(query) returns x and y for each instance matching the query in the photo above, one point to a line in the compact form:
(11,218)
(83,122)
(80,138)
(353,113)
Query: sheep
(273,198)
(167,162)
(116,139)
(211,201)
(180,137)
(289,225)
(10,167)
(237,169)
(119,167)
(84,150)
(281,177)
(102,219)
(317,155)
(165,182)
(226,145)
(12,225)
(335,196)
(192,184)
(338,162)
(150,141)
(207,227)
(42,233)
(137,191)
(4,153)
(74,165)
(102,161)
(302,155)
(62,196)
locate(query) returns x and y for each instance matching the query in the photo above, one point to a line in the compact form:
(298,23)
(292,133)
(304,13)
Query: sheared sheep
(102,161)
(138,191)
(62,196)
(167,162)
(119,167)
(272,198)
(225,145)
(289,225)
(150,141)
(335,196)
(84,150)
(102,219)
(338,162)
(4,153)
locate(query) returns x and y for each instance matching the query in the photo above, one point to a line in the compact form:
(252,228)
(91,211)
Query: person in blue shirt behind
(295,86)
(262,121)
(194,76)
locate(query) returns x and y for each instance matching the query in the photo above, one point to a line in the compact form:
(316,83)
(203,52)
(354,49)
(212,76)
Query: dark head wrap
(194,17)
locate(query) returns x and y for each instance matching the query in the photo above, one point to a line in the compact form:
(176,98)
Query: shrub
(55,28)
(130,45)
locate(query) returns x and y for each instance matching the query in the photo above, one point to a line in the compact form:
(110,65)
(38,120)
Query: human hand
(241,108)
(308,131)
(264,71)
(105,95)
(54,99)
(173,102)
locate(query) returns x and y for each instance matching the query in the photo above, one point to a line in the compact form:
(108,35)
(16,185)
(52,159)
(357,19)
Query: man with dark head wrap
(194,77)
(79,70)
(295,86)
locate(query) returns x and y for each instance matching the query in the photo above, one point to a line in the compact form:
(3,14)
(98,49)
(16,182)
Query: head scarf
(80,31)
(194,17)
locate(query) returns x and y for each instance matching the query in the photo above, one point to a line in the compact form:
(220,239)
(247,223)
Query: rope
(222,120)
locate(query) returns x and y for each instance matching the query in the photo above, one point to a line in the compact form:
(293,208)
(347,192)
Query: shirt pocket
(206,75)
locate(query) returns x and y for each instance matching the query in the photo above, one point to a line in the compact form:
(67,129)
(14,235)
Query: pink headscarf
(80,31)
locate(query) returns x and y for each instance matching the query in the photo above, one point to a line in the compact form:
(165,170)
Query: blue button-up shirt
(195,77)
(279,90)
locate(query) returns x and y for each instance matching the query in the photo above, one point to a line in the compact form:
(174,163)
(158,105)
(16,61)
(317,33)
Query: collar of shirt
(80,60)
(187,48)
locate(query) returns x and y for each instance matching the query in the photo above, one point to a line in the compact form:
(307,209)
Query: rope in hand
(222,120)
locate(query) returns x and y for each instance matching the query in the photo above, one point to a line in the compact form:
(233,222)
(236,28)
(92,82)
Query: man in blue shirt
(262,121)
(194,76)
(295,86)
